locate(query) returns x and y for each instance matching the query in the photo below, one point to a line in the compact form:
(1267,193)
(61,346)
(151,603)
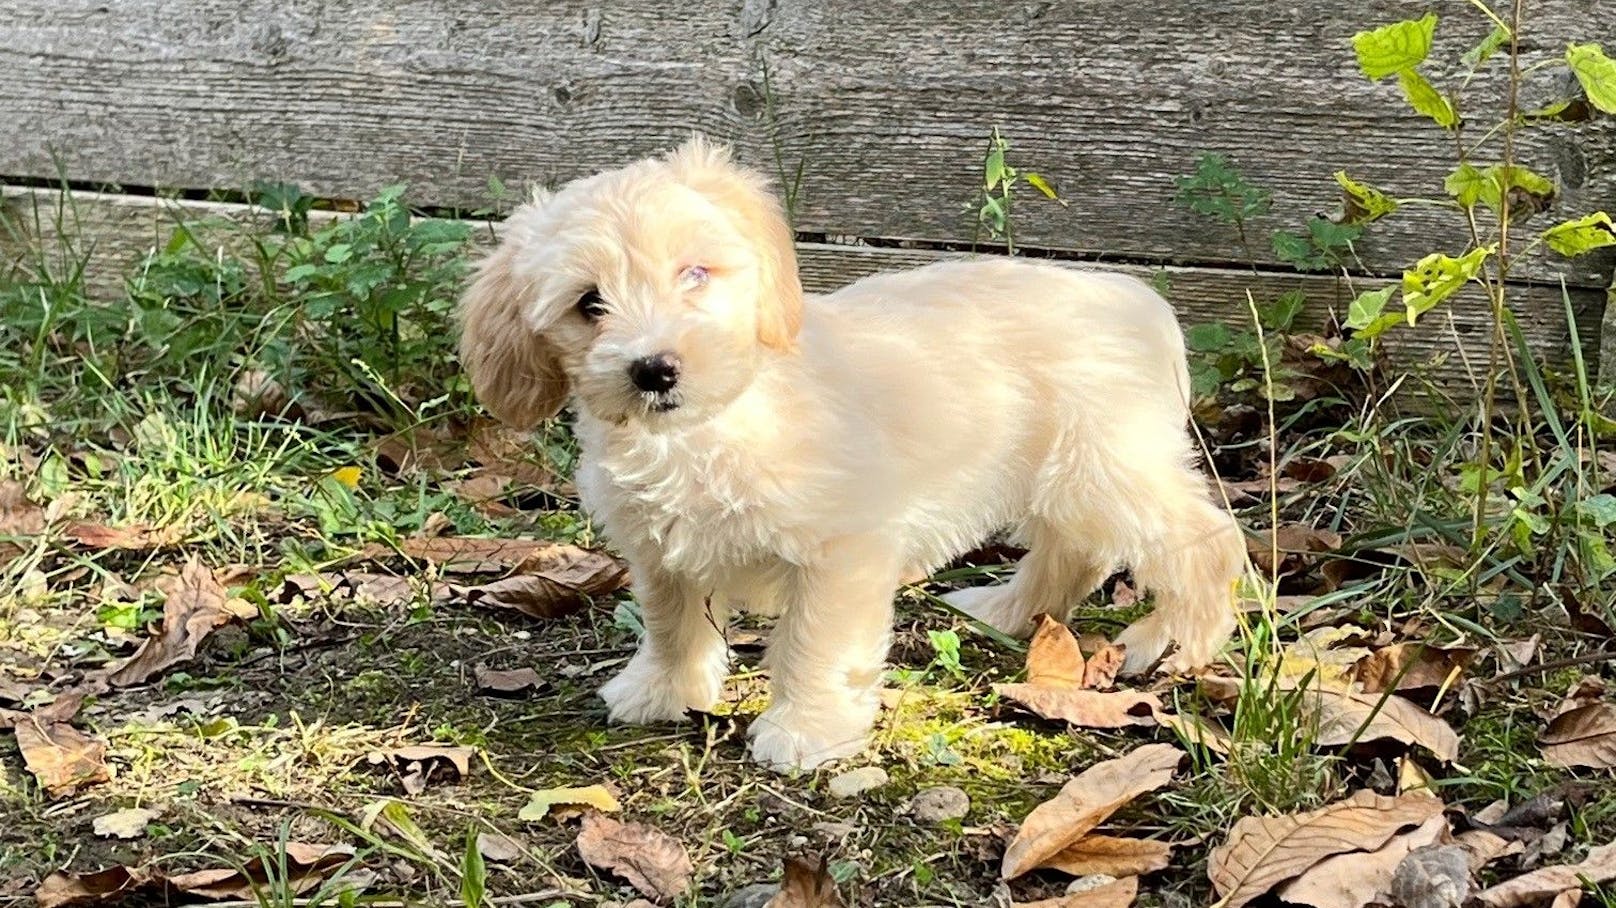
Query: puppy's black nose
(655,373)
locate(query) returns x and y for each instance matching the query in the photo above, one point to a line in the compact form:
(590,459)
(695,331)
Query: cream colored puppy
(745,446)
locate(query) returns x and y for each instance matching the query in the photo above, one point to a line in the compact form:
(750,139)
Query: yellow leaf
(539,805)
(348,476)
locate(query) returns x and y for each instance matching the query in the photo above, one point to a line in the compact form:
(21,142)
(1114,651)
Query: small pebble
(938,805)
(756,895)
(857,781)
(835,830)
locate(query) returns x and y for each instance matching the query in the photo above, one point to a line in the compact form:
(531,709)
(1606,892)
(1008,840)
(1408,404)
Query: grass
(243,398)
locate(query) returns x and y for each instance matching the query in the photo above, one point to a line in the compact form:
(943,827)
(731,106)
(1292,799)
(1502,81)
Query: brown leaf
(130,537)
(1058,675)
(306,867)
(1582,736)
(807,883)
(1484,847)
(1548,882)
(194,608)
(466,554)
(60,756)
(1085,708)
(1118,894)
(1111,855)
(1263,852)
(1346,715)
(651,860)
(1100,673)
(513,681)
(1359,878)
(416,763)
(1053,656)
(1294,541)
(110,884)
(1413,666)
(553,584)
(1084,803)
(19,516)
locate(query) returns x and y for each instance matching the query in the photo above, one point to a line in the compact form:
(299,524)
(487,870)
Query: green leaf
(1394,48)
(1566,110)
(1364,203)
(1208,338)
(473,872)
(1329,237)
(1217,190)
(1489,45)
(1425,99)
(1596,72)
(339,253)
(993,169)
(1601,509)
(1296,250)
(1579,235)
(299,273)
(1437,277)
(1465,184)
(1363,311)
(1281,315)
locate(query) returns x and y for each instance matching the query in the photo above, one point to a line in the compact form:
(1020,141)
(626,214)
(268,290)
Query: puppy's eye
(693,277)
(591,305)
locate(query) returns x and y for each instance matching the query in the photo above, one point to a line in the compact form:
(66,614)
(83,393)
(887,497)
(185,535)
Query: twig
(1550,666)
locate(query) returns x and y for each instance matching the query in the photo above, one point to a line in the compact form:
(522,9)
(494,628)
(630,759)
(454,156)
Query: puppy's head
(650,293)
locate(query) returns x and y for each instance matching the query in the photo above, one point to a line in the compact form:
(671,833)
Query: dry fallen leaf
(807,883)
(1111,855)
(498,847)
(417,763)
(651,860)
(307,866)
(1293,542)
(512,681)
(1263,852)
(1084,803)
(62,758)
(194,608)
(107,885)
(538,806)
(1118,894)
(1347,716)
(541,595)
(18,515)
(1548,882)
(128,823)
(129,537)
(1058,678)
(1484,847)
(1359,878)
(1413,666)
(1583,736)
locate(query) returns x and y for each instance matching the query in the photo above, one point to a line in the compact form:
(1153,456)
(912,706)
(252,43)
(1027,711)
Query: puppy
(746,446)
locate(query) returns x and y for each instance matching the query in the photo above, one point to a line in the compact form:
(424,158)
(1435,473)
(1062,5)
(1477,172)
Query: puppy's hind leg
(682,660)
(1055,574)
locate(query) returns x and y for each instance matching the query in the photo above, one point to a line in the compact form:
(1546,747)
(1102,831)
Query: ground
(299,456)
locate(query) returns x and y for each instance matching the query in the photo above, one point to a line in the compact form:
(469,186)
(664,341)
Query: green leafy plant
(996,200)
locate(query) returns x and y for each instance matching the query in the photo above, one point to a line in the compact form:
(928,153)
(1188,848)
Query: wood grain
(885,106)
(113,233)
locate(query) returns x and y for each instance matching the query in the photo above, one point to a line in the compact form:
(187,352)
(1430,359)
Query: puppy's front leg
(826,655)
(682,660)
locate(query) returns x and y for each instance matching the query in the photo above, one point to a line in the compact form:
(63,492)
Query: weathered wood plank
(884,105)
(114,232)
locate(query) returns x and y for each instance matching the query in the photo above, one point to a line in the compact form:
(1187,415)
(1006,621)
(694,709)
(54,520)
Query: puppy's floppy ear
(709,169)
(514,369)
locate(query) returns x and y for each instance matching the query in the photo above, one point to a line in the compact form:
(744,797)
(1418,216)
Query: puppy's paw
(644,693)
(992,606)
(1146,640)
(784,739)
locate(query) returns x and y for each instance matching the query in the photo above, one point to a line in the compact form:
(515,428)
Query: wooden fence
(884,107)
